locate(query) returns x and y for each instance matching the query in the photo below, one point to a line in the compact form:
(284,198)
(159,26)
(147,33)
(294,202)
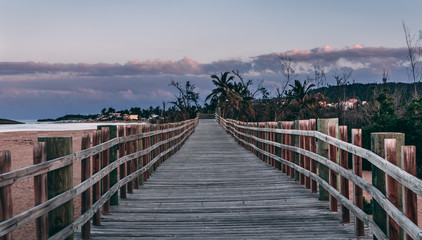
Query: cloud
(329,55)
(356,55)
(53,89)
(131,68)
(420,34)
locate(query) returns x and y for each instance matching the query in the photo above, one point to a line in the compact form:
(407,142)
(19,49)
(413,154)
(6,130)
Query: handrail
(41,168)
(401,176)
(397,173)
(41,209)
(67,231)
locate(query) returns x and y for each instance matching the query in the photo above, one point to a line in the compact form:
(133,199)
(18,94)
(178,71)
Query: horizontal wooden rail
(358,212)
(400,175)
(406,179)
(179,134)
(38,169)
(89,213)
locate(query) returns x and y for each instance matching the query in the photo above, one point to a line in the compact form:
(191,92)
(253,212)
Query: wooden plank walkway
(215,189)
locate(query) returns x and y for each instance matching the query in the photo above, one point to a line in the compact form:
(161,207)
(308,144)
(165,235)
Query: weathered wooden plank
(35,170)
(391,210)
(214,189)
(43,208)
(397,173)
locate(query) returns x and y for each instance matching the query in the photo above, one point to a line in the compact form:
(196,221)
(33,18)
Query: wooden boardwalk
(215,189)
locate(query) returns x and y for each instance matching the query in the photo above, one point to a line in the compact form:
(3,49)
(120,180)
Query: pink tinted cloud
(357,55)
(368,57)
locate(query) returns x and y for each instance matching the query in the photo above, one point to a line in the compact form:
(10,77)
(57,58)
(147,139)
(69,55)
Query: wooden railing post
(265,146)
(158,150)
(408,156)
(314,147)
(40,191)
(280,153)
(344,183)
(134,162)
(300,125)
(263,136)
(129,150)
(332,132)
(268,147)
(96,188)
(59,180)
(168,136)
(357,191)
(323,171)
(122,167)
(114,200)
(140,160)
(105,161)
(245,137)
(152,142)
(285,168)
(6,207)
(307,143)
(86,196)
(273,149)
(391,155)
(291,142)
(164,138)
(285,139)
(257,144)
(378,176)
(296,142)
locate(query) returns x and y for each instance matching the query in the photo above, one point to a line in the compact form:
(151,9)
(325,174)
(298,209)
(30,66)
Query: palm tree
(299,96)
(223,91)
(233,97)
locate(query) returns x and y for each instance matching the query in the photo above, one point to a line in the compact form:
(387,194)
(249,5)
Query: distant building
(130,117)
(153,116)
(116,115)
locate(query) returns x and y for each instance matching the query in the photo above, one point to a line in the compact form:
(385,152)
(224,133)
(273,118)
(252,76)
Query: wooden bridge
(215,189)
(237,181)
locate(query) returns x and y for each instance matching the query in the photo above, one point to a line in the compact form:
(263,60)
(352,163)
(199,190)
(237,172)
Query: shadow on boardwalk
(214,189)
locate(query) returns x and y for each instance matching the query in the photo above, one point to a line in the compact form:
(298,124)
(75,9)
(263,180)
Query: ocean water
(33,125)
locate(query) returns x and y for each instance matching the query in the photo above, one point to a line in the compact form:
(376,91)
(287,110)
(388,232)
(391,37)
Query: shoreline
(21,146)
(58,127)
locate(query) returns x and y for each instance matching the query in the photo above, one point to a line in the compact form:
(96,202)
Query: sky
(69,57)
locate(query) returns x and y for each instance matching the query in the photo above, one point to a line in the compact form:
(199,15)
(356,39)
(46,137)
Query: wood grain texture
(59,181)
(344,183)
(409,198)
(43,208)
(6,203)
(391,210)
(40,190)
(86,196)
(397,173)
(35,170)
(215,189)
(357,170)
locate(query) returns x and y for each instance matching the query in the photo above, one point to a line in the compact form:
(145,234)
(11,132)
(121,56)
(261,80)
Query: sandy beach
(20,144)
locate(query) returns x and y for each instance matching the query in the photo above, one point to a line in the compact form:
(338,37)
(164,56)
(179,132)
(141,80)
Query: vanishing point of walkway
(215,189)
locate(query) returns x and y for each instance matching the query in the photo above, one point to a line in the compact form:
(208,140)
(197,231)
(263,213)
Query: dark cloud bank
(37,89)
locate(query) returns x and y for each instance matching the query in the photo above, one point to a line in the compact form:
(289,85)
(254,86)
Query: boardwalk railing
(206,115)
(141,149)
(292,148)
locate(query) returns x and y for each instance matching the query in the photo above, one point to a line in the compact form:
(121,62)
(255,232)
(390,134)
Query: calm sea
(33,125)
